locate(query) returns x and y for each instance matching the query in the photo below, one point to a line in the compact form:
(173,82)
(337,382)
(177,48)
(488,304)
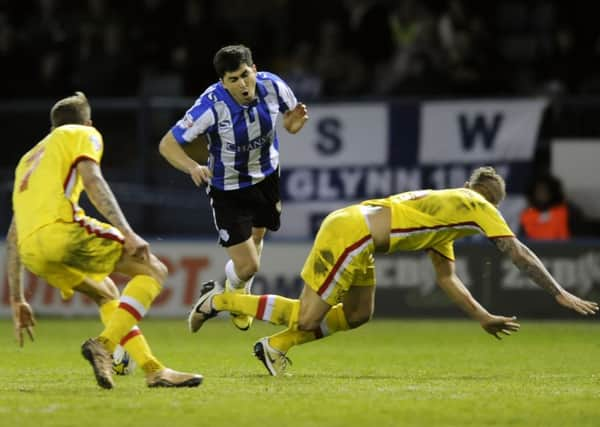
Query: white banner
(338,135)
(485,131)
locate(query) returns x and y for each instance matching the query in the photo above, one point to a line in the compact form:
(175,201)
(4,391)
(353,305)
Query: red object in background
(551,224)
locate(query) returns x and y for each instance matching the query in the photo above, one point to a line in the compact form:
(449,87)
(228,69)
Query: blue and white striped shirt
(242,142)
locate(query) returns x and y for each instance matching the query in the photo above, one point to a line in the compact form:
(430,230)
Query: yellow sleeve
(90,145)
(493,223)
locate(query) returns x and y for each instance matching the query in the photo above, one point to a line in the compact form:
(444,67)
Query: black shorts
(237,211)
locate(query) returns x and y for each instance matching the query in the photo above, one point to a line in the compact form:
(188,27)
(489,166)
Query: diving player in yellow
(54,238)
(339,273)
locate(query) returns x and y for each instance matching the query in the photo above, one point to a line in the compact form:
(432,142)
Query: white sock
(232,276)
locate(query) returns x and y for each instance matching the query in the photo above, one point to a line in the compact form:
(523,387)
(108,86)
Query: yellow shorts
(64,253)
(341,256)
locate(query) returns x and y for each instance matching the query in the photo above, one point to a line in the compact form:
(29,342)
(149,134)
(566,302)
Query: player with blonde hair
(339,272)
(54,238)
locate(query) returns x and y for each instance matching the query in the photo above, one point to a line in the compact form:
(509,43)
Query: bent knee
(308,324)
(108,292)
(158,270)
(247,269)
(112,292)
(357,319)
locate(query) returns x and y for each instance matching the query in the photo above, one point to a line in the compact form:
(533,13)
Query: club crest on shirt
(96,142)
(224,234)
(187,121)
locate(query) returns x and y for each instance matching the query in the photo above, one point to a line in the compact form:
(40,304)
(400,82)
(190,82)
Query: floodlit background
(402,95)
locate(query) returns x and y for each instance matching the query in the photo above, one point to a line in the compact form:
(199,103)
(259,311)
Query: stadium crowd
(337,48)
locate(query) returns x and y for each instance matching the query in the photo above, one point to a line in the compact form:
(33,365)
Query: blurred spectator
(357,47)
(550,216)
(304,81)
(465,43)
(342,71)
(369,32)
(416,58)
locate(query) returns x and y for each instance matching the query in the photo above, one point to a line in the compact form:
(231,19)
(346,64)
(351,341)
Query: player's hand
(577,304)
(294,120)
(136,247)
(496,325)
(200,174)
(23,320)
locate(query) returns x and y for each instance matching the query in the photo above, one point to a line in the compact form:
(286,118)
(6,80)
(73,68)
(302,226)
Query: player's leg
(271,308)
(106,295)
(92,249)
(136,299)
(233,217)
(243,264)
(311,319)
(341,257)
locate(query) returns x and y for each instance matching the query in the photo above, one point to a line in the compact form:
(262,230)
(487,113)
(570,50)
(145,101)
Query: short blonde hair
(74,110)
(486,181)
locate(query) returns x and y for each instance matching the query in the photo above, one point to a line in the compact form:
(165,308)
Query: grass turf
(386,373)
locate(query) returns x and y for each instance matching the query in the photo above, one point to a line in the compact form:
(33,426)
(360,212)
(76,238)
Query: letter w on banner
(486,131)
(462,135)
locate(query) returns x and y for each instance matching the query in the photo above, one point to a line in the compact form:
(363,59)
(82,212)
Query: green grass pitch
(386,373)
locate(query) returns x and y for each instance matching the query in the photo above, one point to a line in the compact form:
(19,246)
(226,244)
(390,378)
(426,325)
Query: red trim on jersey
(436,227)
(339,262)
(133,333)
(73,166)
(99,233)
(90,230)
(262,304)
(130,310)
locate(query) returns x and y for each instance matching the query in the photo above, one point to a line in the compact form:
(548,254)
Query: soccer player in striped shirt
(236,117)
(339,273)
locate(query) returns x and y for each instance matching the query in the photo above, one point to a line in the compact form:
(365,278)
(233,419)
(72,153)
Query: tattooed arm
(104,200)
(460,295)
(528,262)
(101,195)
(23,319)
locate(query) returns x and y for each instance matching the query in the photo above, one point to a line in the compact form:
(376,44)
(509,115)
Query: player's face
(241,83)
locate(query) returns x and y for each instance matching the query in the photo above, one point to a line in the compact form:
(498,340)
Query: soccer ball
(122,364)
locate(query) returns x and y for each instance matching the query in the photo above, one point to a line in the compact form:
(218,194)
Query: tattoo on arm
(528,263)
(104,200)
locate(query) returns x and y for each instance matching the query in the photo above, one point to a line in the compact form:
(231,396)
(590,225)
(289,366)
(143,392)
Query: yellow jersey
(47,186)
(434,219)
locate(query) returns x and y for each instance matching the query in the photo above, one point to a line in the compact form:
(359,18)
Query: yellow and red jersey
(434,219)
(47,186)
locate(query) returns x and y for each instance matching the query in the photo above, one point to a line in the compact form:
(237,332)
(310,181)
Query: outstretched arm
(170,149)
(23,319)
(460,295)
(528,262)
